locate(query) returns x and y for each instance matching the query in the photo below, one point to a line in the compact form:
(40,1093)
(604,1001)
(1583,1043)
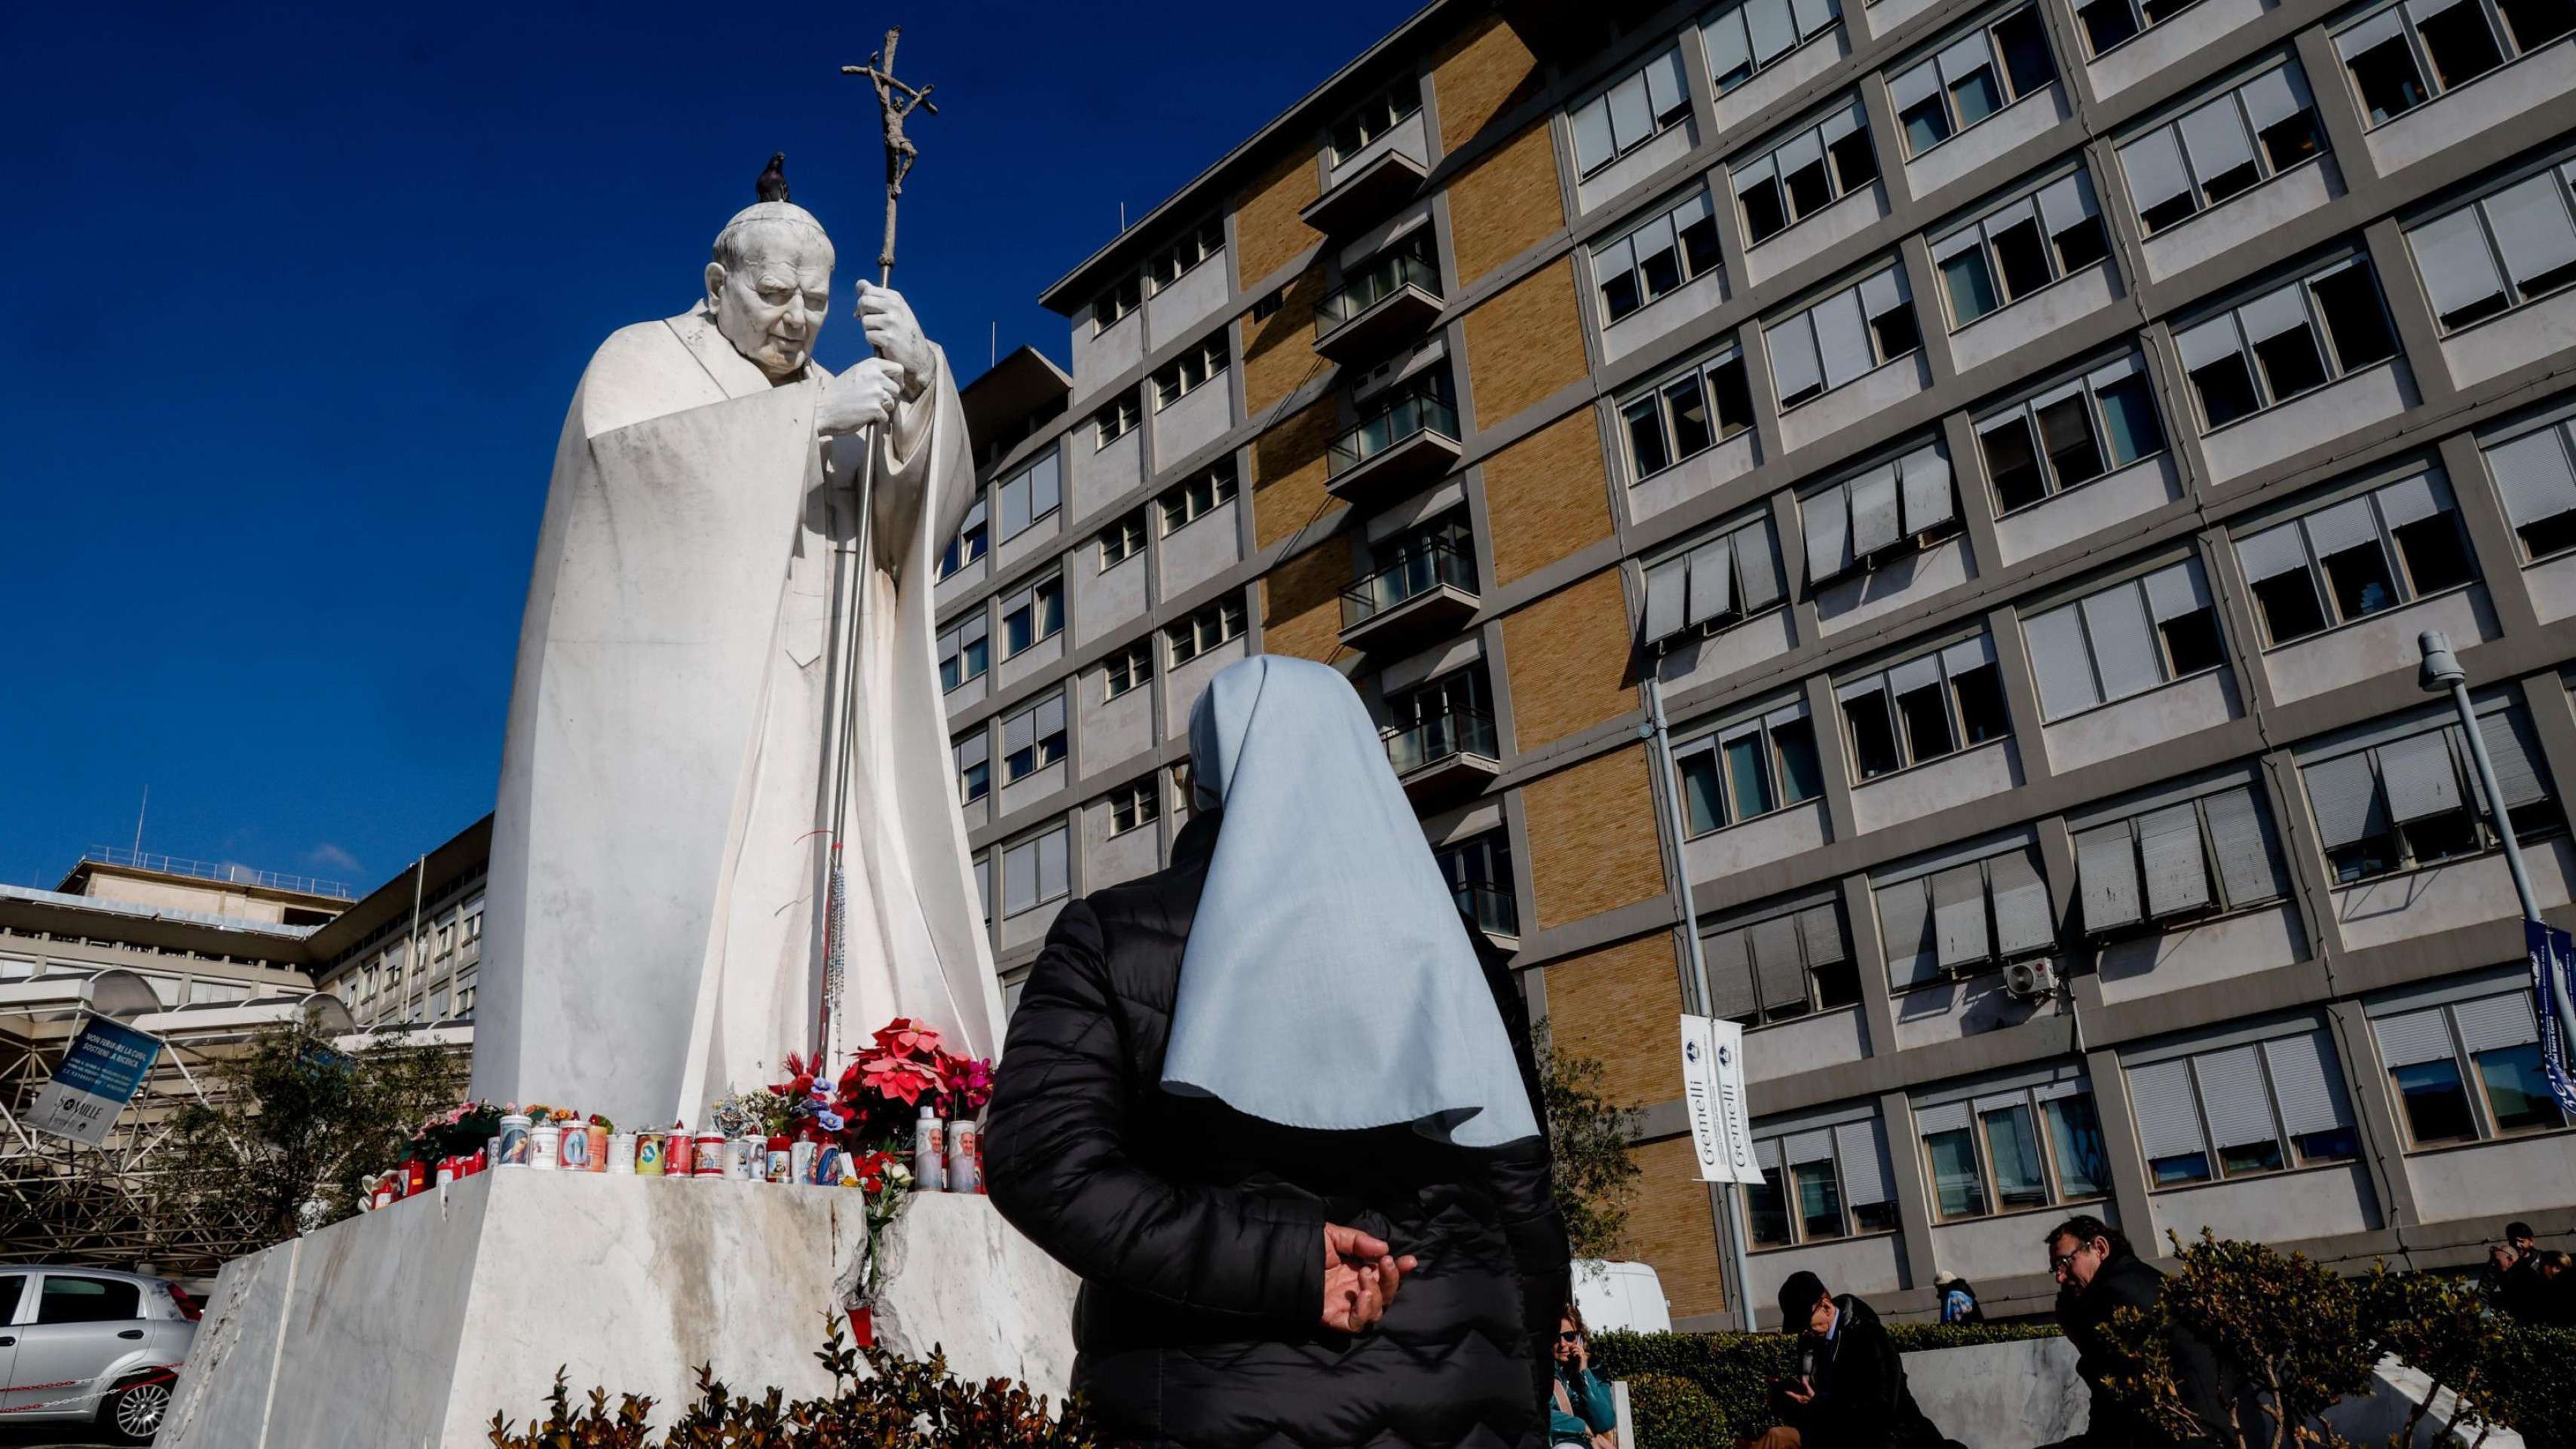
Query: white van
(1620,1296)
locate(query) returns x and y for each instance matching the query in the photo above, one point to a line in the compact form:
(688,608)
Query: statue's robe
(663,837)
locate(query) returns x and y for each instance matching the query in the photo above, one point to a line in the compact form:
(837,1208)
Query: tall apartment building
(2022,441)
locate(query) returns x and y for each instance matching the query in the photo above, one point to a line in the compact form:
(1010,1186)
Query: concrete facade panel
(1697,298)
(2245,217)
(2378,644)
(2495,99)
(1904,583)
(1028,663)
(1029,789)
(1409,138)
(1819,419)
(2372,395)
(1814,235)
(1186,682)
(2447,897)
(1874,1264)
(2107,732)
(1972,150)
(2517,339)
(1105,601)
(1691,661)
(1098,357)
(1804,1043)
(2276,1207)
(2034,318)
(1183,309)
(2199,955)
(2143,55)
(2552,586)
(1109,859)
(1777,82)
(1200,550)
(2516,1175)
(2004,1245)
(1946,783)
(1197,418)
(1096,476)
(1112,729)
(1613,181)
(1696,475)
(1949,1011)
(2079,513)
(1711,858)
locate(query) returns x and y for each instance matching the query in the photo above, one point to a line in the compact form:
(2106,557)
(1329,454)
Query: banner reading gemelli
(2552,951)
(1713,1093)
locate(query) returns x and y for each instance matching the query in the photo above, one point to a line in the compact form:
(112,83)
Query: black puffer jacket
(1199,1232)
(2125,1281)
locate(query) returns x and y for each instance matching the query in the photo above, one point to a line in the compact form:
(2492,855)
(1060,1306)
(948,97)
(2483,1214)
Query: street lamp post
(2441,671)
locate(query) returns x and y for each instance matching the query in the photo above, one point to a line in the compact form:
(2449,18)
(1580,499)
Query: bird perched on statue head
(772,185)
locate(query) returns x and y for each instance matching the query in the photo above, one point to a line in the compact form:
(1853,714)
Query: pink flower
(904,1036)
(897,1078)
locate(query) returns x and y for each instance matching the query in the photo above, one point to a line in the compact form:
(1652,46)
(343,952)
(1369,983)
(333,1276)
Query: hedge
(1733,1373)
(2531,1385)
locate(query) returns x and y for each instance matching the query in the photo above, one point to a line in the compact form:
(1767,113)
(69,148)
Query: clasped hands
(1361,1275)
(868,394)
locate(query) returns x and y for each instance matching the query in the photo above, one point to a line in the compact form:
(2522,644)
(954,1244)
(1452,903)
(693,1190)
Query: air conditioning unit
(2030,980)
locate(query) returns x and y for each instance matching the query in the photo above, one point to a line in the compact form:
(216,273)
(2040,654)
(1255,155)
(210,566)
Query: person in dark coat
(1850,1392)
(2098,1275)
(1265,1104)
(2512,1276)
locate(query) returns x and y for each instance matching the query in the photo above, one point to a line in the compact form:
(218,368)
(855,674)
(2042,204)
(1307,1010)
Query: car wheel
(133,1414)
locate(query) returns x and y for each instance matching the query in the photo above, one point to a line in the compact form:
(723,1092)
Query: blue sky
(302,294)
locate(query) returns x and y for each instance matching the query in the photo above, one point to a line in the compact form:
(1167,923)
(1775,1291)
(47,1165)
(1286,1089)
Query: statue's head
(770,284)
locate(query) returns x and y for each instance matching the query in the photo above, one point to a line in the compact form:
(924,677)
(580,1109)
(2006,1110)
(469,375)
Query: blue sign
(100,1073)
(2552,952)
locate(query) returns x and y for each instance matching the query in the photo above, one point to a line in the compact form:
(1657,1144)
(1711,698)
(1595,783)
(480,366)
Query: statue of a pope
(699,627)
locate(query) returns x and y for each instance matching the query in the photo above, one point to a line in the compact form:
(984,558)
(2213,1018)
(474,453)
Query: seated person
(1850,1392)
(1580,1411)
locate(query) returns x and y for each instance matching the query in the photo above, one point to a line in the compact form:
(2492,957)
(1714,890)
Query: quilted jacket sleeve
(1057,1157)
(1522,1179)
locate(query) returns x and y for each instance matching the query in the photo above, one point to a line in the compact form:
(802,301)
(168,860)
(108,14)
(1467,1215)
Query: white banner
(1713,1094)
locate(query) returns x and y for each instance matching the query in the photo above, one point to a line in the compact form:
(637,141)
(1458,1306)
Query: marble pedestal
(413,1325)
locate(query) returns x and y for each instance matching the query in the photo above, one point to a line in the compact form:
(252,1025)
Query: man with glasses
(1850,1392)
(2097,1276)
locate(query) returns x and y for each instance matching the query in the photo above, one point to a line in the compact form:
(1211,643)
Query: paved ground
(65,1435)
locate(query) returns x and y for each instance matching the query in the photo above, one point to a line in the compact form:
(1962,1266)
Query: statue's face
(771,306)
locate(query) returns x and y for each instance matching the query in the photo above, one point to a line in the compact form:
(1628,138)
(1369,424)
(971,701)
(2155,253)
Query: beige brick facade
(1505,203)
(1670,1225)
(1483,72)
(1586,853)
(1546,496)
(1568,658)
(1606,1004)
(1279,351)
(1525,343)
(1288,474)
(1301,603)
(1268,234)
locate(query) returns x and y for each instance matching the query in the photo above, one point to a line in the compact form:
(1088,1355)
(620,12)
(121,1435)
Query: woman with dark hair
(1581,1414)
(1265,1103)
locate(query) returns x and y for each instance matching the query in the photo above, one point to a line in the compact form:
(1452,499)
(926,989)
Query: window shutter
(1825,519)
(1728,45)
(1592,144)
(2124,645)
(1614,261)
(1712,591)
(1053,879)
(1757,576)
(1843,123)
(1874,513)
(1820,931)
(2451,256)
(2176,591)
(1882,292)
(1967,654)
(2160,1098)
(1019,878)
(2106,865)
(1691,212)
(2209,342)
(2413,499)
(1664,87)
(1905,924)
(2067,201)
(2249,865)
(2531,226)
(1046,487)
(1632,115)
(1927,489)
(2177,875)
(2413,1038)
(1777,964)
(1051,717)
(2155,170)
(975,749)
(2532,474)
(1774,30)
(2303,1082)
(1863,1153)
(1805,1147)
(2377,30)
(2231,1088)
(2271,553)
(974,518)
(1959,909)
(2215,137)
(1842,337)
(1966,239)
(1015,506)
(2346,525)
(2024,925)
(2058,659)
(1019,732)
(1665,598)
(1921,672)
(2111,372)
(1767,1154)
(2275,96)
(1813,15)
(977,628)
(1795,366)
(1800,151)
(2517,776)
(2344,797)
(1947,1117)
(1913,87)
(2493,1022)
(947,648)
(1730,974)
(2283,309)
(1964,57)
(2418,776)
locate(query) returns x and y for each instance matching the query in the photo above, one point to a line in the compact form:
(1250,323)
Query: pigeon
(772,185)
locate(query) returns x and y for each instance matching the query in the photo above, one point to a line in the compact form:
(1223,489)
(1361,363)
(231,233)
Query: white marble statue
(662,841)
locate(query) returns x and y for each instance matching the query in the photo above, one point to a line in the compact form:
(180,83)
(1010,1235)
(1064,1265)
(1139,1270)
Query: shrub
(1672,1413)
(2530,1384)
(1734,1371)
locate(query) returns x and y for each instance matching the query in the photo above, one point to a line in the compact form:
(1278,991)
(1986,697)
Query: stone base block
(412,1326)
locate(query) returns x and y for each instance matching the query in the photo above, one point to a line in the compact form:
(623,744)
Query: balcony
(1367,194)
(1431,592)
(1492,908)
(1445,756)
(1410,443)
(1389,302)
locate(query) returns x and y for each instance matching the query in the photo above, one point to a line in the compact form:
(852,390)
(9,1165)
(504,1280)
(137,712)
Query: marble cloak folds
(659,847)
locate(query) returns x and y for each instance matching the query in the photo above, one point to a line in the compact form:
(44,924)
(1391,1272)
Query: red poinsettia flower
(898,1079)
(904,1036)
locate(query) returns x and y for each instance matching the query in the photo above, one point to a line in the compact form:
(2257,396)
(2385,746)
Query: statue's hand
(862,397)
(896,335)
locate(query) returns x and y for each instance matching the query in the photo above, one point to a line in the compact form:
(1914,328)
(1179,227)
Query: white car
(1620,1296)
(86,1343)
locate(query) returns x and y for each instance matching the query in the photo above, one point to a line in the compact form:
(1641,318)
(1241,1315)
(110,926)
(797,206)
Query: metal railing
(211,870)
(1409,578)
(1442,736)
(1373,284)
(1418,412)
(1491,907)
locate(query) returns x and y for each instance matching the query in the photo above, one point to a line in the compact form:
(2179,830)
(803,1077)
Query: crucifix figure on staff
(727,826)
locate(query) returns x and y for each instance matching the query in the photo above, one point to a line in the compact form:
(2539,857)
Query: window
(1713,584)
(965,651)
(1029,495)
(1036,871)
(2289,340)
(1420,404)
(1961,919)
(2468,1070)
(1114,305)
(1836,1184)
(1852,524)
(2241,1111)
(1115,420)
(67,1299)
(1033,615)
(2109,22)
(1130,667)
(1838,339)
(2413,801)
(973,536)
(1122,540)
(1033,739)
(1192,370)
(1205,630)
(2158,864)
(1446,717)
(1479,872)
(2400,60)
(2015,251)
(1631,113)
(2390,546)
(1188,252)
(1375,117)
(1267,305)
(1686,414)
(2222,147)
(1970,79)
(1188,502)
(1131,805)
(2123,640)
(2522,233)
(1804,174)
(2532,474)
(2070,435)
(1748,770)
(1786,966)
(1655,260)
(974,767)
(1743,38)
(1412,260)
(2029,1147)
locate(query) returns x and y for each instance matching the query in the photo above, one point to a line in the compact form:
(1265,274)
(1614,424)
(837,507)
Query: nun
(1266,1103)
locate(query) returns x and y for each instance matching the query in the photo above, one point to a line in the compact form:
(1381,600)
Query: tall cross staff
(895,100)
